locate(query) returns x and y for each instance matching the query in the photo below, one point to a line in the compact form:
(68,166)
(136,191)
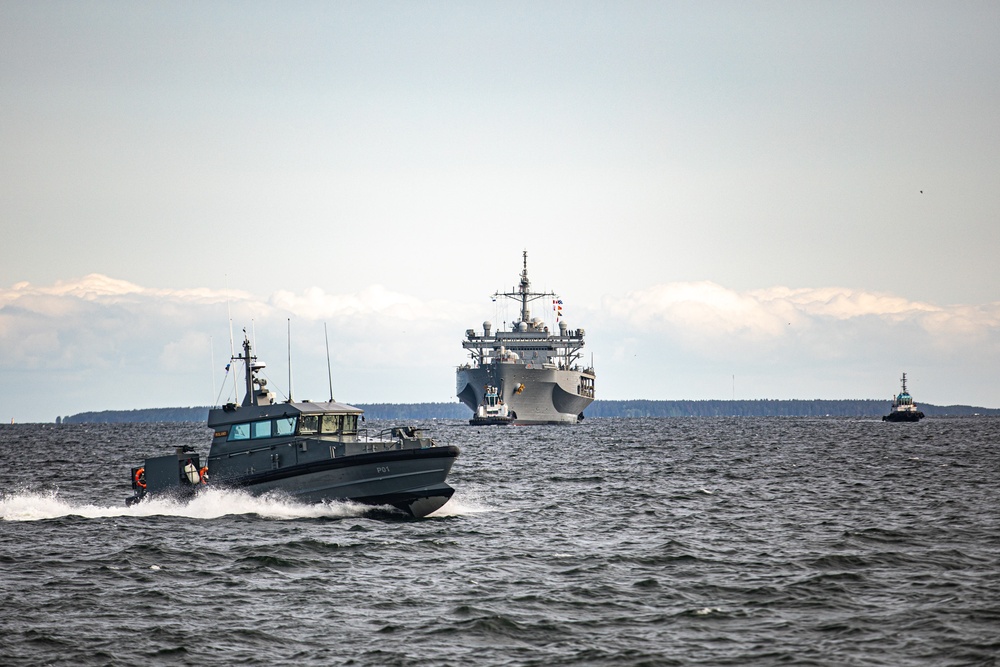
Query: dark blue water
(618,542)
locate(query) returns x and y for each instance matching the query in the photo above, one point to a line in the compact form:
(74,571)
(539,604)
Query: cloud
(722,323)
(102,343)
(702,340)
(39,322)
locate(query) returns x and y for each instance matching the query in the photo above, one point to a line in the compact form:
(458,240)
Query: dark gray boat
(312,451)
(903,408)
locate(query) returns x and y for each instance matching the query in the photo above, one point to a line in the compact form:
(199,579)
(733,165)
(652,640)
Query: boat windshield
(313,424)
(263,428)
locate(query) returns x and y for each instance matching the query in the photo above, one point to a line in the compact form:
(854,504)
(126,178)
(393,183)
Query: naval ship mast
(524,293)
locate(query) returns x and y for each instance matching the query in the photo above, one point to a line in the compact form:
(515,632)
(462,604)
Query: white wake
(208,504)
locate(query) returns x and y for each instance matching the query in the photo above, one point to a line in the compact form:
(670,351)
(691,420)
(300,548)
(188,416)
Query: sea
(674,541)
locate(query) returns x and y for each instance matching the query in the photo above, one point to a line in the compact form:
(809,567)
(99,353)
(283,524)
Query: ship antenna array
(523,291)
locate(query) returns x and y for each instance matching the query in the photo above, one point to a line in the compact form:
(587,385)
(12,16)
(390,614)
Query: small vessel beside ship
(492,411)
(903,408)
(311,451)
(534,371)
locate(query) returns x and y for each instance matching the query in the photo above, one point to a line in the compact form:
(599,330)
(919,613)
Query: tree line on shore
(597,409)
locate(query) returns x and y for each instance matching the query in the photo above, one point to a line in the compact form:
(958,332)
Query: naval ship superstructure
(536,372)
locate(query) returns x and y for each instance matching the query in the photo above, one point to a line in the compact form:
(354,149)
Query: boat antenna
(229,311)
(289,360)
(211,346)
(329,372)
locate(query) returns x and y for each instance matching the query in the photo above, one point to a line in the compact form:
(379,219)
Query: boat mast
(250,398)
(904,383)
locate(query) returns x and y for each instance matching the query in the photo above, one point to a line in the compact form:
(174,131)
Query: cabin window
(350,423)
(308,424)
(239,432)
(332,423)
(284,426)
(260,430)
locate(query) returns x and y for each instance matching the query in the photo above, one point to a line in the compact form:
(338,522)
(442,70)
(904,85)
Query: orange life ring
(140,478)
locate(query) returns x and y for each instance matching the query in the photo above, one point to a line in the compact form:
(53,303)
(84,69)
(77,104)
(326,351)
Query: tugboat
(312,451)
(492,411)
(903,407)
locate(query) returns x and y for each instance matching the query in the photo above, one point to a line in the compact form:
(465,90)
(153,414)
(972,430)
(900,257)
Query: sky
(741,200)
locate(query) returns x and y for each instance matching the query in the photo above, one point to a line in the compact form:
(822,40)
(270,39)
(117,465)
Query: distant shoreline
(598,409)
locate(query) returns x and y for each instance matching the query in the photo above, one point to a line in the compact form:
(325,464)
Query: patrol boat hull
(412,483)
(411,480)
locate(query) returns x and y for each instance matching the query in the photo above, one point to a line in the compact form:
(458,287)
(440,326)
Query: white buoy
(192,473)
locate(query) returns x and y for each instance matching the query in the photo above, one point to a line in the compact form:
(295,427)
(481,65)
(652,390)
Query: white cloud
(101,343)
(703,340)
(712,318)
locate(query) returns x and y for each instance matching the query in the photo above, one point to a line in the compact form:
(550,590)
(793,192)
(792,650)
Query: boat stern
(177,474)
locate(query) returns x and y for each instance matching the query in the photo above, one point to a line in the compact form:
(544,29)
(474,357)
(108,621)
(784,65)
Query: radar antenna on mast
(523,292)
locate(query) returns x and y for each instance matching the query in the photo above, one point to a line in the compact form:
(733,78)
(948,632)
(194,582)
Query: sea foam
(208,504)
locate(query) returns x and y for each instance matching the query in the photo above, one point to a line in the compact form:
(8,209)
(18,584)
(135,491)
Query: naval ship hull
(548,396)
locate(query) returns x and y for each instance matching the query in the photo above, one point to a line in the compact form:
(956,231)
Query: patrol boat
(534,371)
(903,408)
(311,451)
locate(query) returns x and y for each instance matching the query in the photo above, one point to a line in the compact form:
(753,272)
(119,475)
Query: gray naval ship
(313,452)
(534,371)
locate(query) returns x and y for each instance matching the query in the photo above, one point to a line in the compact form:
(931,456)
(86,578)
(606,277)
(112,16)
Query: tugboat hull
(903,417)
(491,421)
